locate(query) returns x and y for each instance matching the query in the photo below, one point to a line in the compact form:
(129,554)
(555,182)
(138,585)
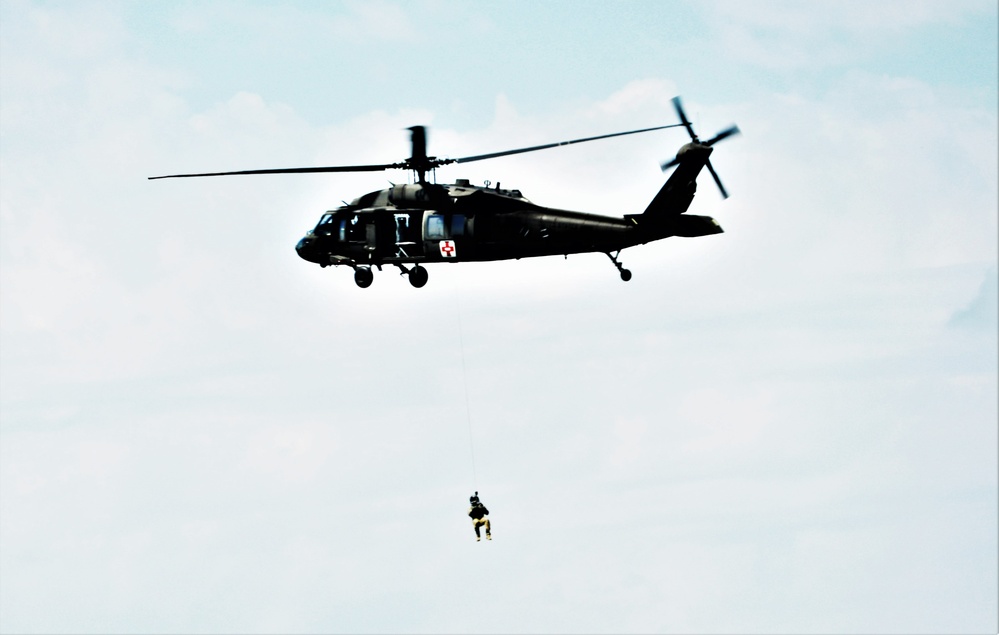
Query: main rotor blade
(724,134)
(419,154)
(332,168)
(721,187)
(683,117)
(493,155)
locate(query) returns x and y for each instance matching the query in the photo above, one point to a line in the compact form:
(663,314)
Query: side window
(435,227)
(343,230)
(355,229)
(401,228)
(458,225)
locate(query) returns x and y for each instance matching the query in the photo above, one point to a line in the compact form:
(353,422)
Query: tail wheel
(363,276)
(418,276)
(625,274)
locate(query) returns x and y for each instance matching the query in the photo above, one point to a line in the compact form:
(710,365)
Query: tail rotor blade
(721,187)
(683,118)
(724,134)
(670,163)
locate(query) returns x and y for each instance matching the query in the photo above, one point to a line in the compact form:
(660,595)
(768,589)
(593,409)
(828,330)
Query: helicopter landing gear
(418,276)
(363,277)
(625,274)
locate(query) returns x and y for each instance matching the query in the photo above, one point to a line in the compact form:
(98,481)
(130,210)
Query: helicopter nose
(306,249)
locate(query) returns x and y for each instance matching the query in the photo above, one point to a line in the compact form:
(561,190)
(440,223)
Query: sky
(787,427)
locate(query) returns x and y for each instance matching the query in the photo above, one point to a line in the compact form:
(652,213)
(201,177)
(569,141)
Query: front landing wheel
(625,275)
(418,276)
(363,277)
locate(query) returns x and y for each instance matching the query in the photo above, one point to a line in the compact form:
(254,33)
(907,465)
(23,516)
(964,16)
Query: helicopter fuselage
(424,223)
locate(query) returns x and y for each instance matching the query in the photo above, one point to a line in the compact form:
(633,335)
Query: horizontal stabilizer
(692,226)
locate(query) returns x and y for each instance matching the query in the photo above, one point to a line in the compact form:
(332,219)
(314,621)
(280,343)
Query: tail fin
(675,197)
(665,214)
(678,192)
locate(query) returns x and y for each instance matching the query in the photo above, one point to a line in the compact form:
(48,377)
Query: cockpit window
(326,219)
(457,225)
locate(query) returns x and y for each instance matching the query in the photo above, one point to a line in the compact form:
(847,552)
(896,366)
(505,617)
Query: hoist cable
(464,382)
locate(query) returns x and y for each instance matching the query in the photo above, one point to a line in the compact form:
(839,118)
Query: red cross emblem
(447,249)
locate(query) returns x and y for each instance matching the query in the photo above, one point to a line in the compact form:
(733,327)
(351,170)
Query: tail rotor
(697,143)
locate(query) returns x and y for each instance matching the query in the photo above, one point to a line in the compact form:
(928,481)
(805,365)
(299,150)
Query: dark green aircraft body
(411,225)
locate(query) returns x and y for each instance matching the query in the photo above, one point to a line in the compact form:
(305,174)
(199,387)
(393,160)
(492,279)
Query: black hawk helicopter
(422,222)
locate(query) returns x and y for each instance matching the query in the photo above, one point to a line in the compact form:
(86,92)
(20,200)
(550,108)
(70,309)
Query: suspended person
(479,515)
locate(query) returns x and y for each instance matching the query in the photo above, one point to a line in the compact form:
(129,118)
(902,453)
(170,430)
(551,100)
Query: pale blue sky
(789,427)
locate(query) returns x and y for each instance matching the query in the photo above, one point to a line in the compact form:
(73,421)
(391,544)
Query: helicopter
(414,224)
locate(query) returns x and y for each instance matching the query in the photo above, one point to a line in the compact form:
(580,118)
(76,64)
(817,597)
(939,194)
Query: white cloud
(982,311)
(825,19)
(795,36)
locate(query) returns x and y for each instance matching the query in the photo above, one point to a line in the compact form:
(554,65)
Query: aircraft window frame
(436,227)
(402,228)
